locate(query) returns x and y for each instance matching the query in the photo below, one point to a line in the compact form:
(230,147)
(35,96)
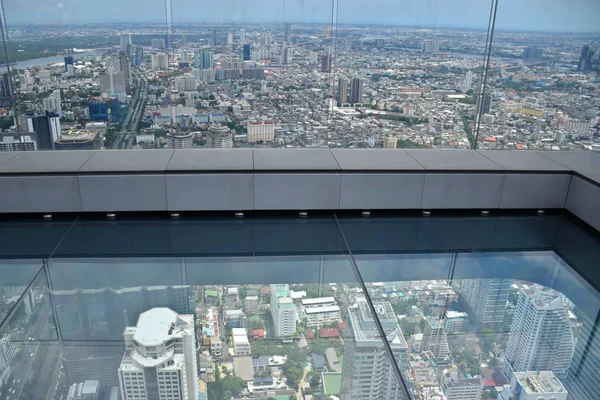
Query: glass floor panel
(333,306)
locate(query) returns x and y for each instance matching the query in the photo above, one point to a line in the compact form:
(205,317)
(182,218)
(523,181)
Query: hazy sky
(546,15)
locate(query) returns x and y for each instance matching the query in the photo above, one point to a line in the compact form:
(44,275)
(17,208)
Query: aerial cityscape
(297,85)
(468,339)
(259,81)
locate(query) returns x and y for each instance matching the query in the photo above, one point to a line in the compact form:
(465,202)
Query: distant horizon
(321,23)
(566,16)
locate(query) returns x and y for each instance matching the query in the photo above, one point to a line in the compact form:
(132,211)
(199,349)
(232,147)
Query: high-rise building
(126,43)
(532,53)
(380,43)
(229,38)
(242,35)
(27,78)
(535,385)
(160,61)
(47,129)
(342,92)
(246,52)
(160,357)
(287,37)
(366,372)
(216,38)
(326,63)
(184,40)
(186,83)
(583,58)
(79,139)
(283,311)
(355,91)
(180,140)
(261,131)
(456,387)
(390,142)
(486,107)
(138,56)
(267,38)
(6,87)
(486,298)
(125,64)
(430,47)
(582,381)
(286,55)
(219,137)
(206,59)
(541,337)
(52,103)
(12,141)
(68,61)
(158,43)
(467,82)
(589,61)
(435,339)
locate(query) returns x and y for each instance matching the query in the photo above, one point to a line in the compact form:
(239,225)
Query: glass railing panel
(537,63)
(271,305)
(29,344)
(407,75)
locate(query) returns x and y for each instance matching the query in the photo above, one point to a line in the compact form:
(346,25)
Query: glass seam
(386,345)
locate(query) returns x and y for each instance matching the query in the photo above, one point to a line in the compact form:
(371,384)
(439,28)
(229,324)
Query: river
(36,62)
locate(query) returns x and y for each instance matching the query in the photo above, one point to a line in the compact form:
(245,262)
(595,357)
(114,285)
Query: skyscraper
(113,84)
(583,58)
(206,59)
(486,298)
(541,337)
(287,28)
(47,128)
(160,61)
(532,53)
(125,63)
(366,371)
(246,52)
(355,91)
(126,42)
(267,38)
(430,47)
(219,137)
(435,339)
(326,63)
(158,43)
(6,87)
(283,311)
(286,55)
(582,381)
(342,92)
(160,357)
(467,82)
(229,38)
(52,103)
(68,61)
(486,107)
(242,35)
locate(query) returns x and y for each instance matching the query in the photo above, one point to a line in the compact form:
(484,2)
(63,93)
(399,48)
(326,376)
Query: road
(23,367)
(301,384)
(124,137)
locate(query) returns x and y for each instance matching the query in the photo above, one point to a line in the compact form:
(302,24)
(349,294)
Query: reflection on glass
(498,323)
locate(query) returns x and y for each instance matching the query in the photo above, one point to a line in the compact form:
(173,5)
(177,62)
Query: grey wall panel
(583,201)
(381,191)
(462,191)
(123,192)
(296,191)
(210,192)
(535,190)
(39,194)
